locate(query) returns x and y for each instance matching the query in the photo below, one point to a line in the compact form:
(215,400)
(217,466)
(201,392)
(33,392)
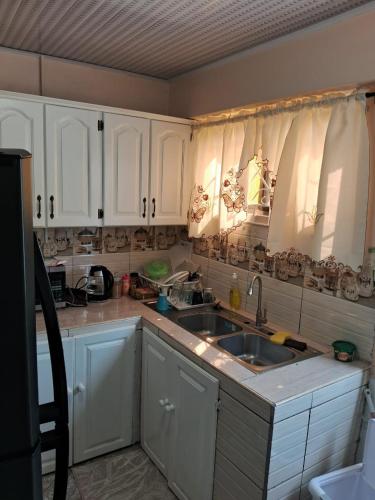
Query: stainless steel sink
(256,350)
(210,324)
(240,338)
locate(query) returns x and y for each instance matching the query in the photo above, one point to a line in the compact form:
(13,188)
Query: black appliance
(20,416)
(57,280)
(99,283)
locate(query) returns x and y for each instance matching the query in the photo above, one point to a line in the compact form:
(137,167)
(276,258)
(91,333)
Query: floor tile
(48,485)
(124,475)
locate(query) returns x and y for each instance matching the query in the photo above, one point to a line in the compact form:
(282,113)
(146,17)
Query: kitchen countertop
(277,386)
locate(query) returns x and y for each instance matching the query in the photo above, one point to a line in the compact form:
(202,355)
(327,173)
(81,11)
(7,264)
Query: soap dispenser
(235,294)
(162,304)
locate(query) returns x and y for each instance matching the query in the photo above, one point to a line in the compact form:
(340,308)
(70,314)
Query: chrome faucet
(261,317)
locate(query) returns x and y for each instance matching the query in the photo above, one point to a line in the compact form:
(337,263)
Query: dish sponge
(280,337)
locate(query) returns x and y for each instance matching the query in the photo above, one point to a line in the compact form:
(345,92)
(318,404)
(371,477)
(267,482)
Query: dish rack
(166,283)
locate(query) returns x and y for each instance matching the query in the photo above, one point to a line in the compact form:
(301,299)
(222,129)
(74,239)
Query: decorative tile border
(64,242)
(246,248)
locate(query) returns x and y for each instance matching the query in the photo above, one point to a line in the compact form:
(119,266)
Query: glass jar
(175,295)
(208,296)
(117,287)
(187,292)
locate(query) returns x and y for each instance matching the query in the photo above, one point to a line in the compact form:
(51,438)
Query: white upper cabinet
(21,126)
(169,187)
(126,170)
(74,166)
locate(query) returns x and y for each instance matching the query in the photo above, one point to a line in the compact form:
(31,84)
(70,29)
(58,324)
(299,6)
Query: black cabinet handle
(154,204)
(144,207)
(39,199)
(51,199)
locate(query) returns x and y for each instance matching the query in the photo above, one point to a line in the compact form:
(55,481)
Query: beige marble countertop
(277,386)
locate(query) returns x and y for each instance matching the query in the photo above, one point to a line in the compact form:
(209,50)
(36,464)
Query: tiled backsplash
(62,242)
(120,249)
(292,306)
(314,315)
(245,248)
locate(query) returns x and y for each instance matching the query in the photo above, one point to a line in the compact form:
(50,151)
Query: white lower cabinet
(156,423)
(103,393)
(45,388)
(179,415)
(104,389)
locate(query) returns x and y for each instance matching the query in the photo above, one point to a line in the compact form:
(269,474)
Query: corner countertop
(276,386)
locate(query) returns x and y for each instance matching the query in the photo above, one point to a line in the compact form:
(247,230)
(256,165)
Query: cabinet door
(169,187)
(194,397)
(74,166)
(126,169)
(156,422)
(21,126)
(104,391)
(45,388)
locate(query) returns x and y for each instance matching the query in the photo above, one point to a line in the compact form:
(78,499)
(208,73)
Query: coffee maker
(99,283)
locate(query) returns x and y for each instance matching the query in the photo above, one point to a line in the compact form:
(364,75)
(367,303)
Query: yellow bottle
(235,294)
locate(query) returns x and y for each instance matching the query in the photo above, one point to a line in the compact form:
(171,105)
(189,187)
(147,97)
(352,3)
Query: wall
(333,54)
(53,77)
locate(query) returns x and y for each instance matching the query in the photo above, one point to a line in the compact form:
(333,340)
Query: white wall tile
(326,319)
(220,279)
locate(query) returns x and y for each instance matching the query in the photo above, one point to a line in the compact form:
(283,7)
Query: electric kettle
(99,283)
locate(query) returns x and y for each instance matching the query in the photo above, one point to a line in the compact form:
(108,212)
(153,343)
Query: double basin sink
(236,335)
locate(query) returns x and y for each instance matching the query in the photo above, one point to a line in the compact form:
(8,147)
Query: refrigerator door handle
(56,411)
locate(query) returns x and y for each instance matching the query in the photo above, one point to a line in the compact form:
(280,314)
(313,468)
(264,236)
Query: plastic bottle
(235,294)
(125,284)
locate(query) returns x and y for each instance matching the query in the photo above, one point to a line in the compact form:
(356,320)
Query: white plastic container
(356,482)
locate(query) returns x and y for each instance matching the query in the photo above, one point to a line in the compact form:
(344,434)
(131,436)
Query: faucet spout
(261,317)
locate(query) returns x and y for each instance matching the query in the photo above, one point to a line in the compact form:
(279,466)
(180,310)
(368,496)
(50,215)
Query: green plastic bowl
(157,269)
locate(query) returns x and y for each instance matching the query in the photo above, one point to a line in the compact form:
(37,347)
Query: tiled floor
(124,475)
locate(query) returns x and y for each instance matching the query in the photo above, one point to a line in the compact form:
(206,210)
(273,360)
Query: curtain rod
(269,109)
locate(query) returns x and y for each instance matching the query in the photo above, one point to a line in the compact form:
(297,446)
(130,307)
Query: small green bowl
(157,269)
(344,351)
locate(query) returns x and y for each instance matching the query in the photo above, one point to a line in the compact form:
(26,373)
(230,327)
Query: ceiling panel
(161,38)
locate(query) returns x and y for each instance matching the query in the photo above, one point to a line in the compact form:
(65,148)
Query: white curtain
(321,195)
(234,148)
(319,151)
(216,153)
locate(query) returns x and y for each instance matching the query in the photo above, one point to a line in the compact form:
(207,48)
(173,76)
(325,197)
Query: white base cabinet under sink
(179,416)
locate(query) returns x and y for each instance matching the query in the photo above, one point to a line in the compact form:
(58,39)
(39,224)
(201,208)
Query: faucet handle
(264,318)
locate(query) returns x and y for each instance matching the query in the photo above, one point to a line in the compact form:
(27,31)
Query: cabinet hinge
(100,213)
(218,405)
(100,125)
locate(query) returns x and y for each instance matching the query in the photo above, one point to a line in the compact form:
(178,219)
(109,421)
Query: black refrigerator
(23,271)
